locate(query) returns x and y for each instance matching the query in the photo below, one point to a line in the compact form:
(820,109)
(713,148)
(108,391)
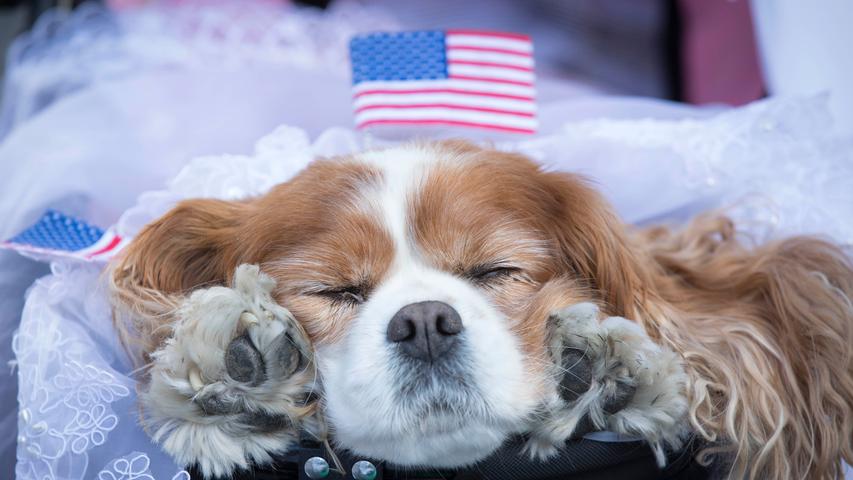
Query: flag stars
(398,56)
(58,231)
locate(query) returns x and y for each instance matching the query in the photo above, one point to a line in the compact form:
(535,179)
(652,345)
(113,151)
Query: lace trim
(133,467)
(67,390)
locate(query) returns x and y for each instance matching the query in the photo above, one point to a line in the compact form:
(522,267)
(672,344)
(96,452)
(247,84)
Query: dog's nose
(425,330)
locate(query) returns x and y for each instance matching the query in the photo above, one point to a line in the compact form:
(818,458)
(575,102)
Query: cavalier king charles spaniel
(423,303)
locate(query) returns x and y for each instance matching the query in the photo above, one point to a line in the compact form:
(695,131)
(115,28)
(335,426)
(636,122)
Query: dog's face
(424,276)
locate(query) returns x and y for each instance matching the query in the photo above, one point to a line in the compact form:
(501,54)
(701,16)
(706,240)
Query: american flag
(456,77)
(56,235)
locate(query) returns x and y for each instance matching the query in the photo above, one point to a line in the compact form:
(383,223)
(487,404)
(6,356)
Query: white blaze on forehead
(403,172)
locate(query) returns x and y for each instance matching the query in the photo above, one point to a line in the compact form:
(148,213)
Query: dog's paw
(609,375)
(232,383)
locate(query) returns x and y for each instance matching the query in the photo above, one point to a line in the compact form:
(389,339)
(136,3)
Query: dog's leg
(609,375)
(232,383)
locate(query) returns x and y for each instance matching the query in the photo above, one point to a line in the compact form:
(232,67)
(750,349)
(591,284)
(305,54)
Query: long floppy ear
(195,244)
(593,244)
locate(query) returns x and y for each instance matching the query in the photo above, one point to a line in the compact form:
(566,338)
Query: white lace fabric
(76,400)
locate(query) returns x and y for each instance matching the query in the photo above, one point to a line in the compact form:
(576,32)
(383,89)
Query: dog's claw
(195,379)
(248,320)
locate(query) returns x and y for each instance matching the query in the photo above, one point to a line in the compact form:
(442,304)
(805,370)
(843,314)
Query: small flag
(457,77)
(60,236)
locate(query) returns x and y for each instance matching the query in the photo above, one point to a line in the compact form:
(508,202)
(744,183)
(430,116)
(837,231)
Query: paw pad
(577,374)
(244,362)
(609,375)
(233,384)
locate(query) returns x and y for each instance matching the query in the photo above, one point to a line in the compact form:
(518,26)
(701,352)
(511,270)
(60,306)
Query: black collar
(580,459)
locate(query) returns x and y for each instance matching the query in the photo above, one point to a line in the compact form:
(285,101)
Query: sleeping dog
(420,304)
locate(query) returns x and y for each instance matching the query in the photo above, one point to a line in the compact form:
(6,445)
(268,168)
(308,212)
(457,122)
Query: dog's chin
(438,441)
(443,424)
(450,430)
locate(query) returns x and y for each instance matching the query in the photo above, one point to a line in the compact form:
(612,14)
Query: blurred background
(700,52)
(689,50)
(696,51)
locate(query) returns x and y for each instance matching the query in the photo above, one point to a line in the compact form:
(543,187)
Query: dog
(445,289)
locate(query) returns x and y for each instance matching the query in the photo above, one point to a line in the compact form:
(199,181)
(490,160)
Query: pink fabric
(125,4)
(718,56)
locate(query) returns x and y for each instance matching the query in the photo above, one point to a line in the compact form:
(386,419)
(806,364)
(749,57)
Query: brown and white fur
(764,332)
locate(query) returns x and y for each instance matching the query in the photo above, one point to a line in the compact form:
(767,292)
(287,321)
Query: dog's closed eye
(490,273)
(349,294)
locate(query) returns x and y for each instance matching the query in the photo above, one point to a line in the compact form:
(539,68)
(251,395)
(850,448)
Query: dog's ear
(195,244)
(592,243)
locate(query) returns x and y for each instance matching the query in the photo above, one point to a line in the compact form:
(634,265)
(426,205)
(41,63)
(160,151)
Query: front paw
(609,375)
(233,382)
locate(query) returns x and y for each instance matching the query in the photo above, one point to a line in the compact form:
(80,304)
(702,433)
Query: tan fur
(766,332)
